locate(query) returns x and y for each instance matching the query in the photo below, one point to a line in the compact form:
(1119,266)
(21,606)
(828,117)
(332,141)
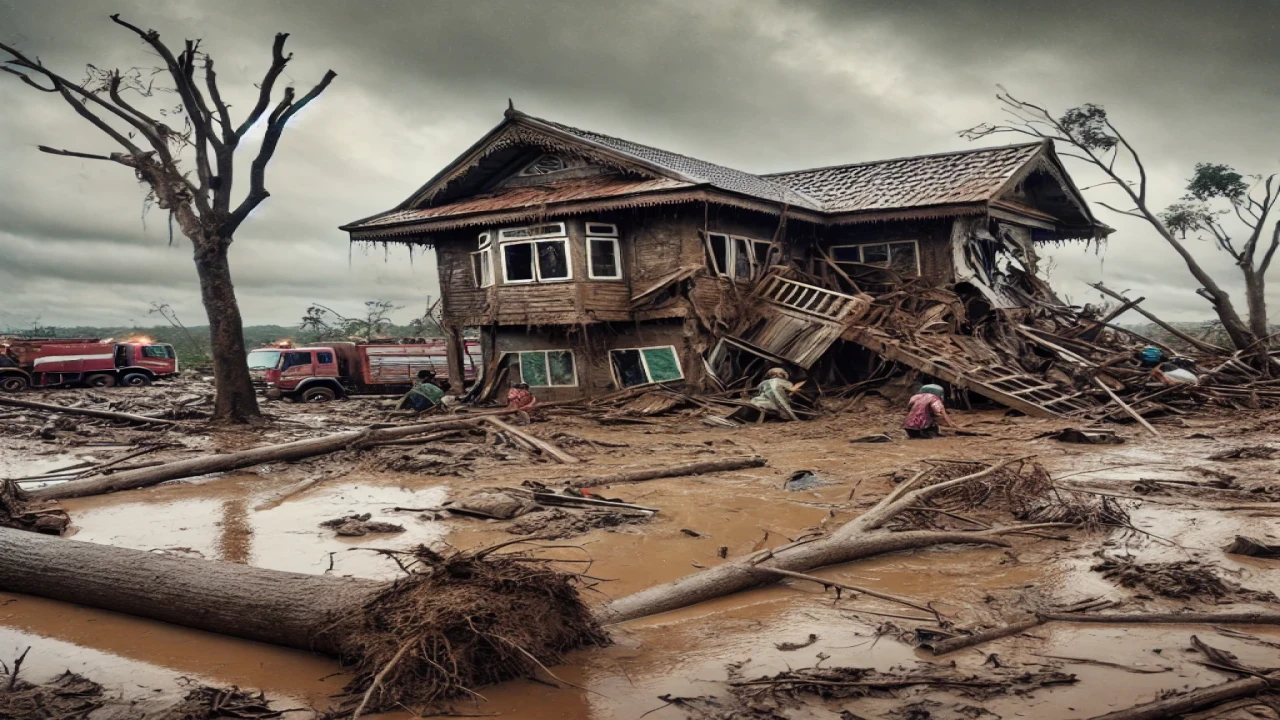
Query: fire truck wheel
(13,383)
(99,381)
(319,395)
(135,380)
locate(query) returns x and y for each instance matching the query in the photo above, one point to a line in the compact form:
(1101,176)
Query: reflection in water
(235,542)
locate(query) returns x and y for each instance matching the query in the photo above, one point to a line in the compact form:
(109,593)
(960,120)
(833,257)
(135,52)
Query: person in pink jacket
(925,410)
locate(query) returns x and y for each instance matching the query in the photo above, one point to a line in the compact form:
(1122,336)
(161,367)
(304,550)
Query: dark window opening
(720,253)
(629,367)
(603,256)
(324,358)
(517,262)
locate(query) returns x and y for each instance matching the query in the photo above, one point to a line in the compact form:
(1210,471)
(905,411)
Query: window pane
(263,359)
(903,258)
(848,253)
(741,259)
(518,259)
(626,363)
(533,368)
(663,364)
(876,255)
(604,258)
(560,364)
(477,268)
(486,269)
(762,252)
(553,260)
(294,359)
(324,358)
(720,253)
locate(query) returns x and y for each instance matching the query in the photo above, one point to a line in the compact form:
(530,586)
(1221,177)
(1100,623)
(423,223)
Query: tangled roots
(459,623)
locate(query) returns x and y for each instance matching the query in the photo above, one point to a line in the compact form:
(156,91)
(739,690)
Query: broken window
(642,366)
(719,253)
(902,256)
(738,258)
(532,232)
(482,268)
(602,254)
(548,368)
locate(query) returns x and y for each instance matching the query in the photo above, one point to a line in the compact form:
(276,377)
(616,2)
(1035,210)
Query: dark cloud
(762,85)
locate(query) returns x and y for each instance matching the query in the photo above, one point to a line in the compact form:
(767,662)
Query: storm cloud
(760,85)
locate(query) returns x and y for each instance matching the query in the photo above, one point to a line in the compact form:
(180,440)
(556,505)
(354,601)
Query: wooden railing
(811,299)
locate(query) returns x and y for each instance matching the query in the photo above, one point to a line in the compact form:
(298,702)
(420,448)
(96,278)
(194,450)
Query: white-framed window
(482,262)
(531,232)
(602,229)
(739,258)
(644,366)
(901,256)
(604,258)
(547,368)
(538,253)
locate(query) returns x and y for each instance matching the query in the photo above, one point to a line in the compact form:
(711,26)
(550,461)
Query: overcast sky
(759,85)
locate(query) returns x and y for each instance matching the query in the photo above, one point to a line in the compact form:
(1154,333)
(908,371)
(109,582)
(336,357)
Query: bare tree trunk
(271,606)
(1255,284)
(236,400)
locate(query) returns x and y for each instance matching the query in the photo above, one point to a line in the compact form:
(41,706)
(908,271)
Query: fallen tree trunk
(698,467)
(270,606)
(194,467)
(1196,342)
(104,414)
(1194,700)
(859,538)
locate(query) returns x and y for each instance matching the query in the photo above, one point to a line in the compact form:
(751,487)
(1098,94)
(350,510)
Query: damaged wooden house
(587,263)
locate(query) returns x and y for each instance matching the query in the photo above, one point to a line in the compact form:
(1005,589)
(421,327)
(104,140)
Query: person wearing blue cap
(925,410)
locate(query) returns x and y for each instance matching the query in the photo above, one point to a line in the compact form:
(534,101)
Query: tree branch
(183,80)
(280,117)
(1131,213)
(27,79)
(278,61)
(116,158)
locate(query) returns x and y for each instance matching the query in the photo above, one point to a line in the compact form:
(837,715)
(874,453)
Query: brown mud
(685,653)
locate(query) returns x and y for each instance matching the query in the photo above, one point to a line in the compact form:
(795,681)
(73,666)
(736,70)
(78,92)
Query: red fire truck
(326,372)
(61,362)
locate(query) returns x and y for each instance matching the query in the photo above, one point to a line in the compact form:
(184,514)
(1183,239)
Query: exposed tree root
(459,623)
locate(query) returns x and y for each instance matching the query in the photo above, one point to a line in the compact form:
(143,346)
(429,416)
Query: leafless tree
(1092,138)
(328,324)
(166,311)
(157,145)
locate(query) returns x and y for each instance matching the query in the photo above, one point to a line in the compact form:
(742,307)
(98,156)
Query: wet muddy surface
(685,652)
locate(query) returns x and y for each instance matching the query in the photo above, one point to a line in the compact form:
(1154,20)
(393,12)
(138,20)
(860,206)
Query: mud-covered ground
(691,653)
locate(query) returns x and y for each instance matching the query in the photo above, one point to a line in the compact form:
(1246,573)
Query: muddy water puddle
(685,652)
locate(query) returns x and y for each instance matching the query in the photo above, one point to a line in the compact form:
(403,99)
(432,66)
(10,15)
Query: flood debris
(459,622)
(358,525)
(1183,580)
(1247,452)
(68,696)
(1085,437)
(210,703)
(558,523)
(1252,547)
(17,512)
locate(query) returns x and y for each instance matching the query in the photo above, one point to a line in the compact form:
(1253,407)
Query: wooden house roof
(964,182)
(963,176)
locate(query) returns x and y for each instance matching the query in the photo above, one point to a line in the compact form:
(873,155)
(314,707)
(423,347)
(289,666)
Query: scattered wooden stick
(1128,410)
(104,414)
(852,588)
(698,467)
(547,448)
(1193,700)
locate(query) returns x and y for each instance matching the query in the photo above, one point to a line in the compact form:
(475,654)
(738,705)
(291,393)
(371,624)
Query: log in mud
(223,462)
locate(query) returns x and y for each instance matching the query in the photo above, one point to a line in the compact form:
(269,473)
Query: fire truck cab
(90,362)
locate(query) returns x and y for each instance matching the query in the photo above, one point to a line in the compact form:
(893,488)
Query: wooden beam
(1128,410)
(1202,345)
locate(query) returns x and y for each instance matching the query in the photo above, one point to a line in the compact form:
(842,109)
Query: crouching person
(520,399)
(925,410)
(773,396)
(424,395)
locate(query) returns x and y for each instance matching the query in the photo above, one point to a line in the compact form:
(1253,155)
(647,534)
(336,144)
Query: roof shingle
(947,178)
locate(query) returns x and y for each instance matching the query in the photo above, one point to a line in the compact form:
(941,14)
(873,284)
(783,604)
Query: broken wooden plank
(1200,344)
(1128,410)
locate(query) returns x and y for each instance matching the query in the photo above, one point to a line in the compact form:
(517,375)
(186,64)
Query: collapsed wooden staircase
(968,363)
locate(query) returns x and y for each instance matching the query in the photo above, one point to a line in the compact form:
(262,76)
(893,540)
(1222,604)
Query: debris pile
(1184,580)
(459,622)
